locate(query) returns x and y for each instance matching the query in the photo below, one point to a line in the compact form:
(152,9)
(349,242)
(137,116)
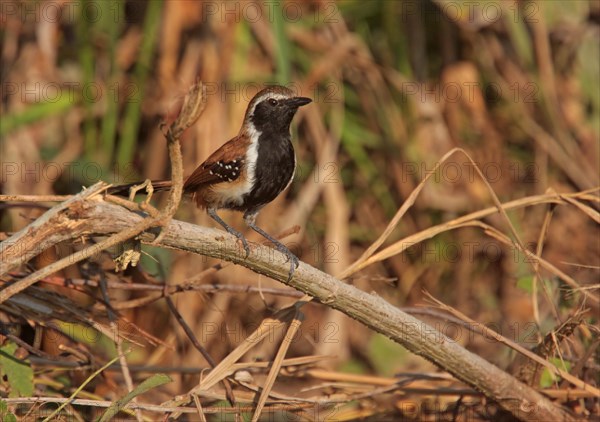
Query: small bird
(253,168)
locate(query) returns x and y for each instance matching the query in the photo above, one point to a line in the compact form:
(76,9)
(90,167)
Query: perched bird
(253,168)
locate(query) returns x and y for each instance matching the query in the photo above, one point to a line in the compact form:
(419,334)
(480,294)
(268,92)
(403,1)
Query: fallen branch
(95,216)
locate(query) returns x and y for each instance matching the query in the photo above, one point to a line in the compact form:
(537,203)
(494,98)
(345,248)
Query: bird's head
(272,110)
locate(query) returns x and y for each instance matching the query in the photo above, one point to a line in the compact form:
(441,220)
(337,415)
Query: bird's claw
(291,258)
(246,247)
(295,261)
(243,240)
(289,255)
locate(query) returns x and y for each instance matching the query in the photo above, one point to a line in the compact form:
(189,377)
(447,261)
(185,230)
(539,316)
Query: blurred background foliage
(396,85)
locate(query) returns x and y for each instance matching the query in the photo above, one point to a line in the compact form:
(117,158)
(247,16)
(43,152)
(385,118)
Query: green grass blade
(35,113)
(154,381)
(85,51)
(282,45)
(109,122)
(81,387)
(131,122)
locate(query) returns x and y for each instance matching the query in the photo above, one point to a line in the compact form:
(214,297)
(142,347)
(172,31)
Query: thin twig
(191,284)
(118,342)
(277,362)
(536,274)
(81,387)
(369,255)
(190,333)
(34,198)
(143,406)
(193,106)
(470,220)
(492,334)
(227,365)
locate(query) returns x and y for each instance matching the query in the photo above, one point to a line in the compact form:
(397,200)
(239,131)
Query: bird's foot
(291,258)
(242,240)
(213,214)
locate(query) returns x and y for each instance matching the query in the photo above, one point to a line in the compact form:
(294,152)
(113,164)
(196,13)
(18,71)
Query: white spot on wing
(234,193)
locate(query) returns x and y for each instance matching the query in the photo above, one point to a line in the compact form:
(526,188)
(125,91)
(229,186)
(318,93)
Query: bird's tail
(158,185)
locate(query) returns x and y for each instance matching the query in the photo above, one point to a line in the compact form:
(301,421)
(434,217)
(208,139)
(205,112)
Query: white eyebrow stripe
(263,97)
(272,95)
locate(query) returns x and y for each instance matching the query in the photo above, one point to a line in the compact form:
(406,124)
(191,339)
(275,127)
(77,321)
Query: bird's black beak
(298,101)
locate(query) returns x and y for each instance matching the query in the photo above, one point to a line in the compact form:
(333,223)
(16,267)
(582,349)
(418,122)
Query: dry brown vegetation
(448,167)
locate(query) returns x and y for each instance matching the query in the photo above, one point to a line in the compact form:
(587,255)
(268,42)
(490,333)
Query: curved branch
(97,217)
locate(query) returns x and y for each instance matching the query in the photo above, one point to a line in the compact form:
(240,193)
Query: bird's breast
(273,171)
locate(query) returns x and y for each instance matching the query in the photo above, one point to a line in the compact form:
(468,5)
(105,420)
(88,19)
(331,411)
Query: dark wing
(224,165)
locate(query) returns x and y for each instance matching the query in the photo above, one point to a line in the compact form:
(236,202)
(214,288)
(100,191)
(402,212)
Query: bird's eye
(273,101)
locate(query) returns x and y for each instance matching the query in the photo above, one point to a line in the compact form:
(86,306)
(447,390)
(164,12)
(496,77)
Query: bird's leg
(250,219)
(213,214)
